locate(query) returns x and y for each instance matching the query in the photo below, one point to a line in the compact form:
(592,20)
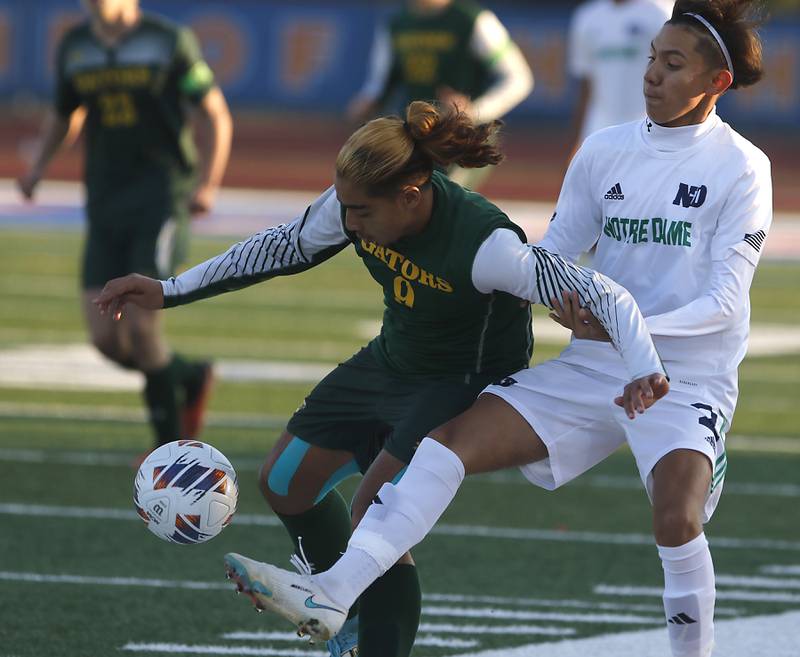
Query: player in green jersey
(451,51)
(132,78)
(457,279)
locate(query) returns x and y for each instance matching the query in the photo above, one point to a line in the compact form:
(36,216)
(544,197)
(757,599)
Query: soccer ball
(186,492)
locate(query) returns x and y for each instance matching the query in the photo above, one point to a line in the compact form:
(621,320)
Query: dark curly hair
(737,22)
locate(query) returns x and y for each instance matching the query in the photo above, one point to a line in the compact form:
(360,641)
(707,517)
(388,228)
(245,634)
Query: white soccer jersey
(678,217)
(609,43)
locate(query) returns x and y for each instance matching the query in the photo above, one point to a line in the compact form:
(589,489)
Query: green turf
(320,316)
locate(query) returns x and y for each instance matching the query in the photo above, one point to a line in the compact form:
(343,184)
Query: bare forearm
(54,132)
(215,147)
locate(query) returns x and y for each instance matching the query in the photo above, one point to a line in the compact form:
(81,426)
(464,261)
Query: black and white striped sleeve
(286,249)
(503,263)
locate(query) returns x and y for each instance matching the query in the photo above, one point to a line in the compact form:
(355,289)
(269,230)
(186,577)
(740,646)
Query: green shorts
(151,248)
(363,407)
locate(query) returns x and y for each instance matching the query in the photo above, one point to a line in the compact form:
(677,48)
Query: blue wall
(312,55)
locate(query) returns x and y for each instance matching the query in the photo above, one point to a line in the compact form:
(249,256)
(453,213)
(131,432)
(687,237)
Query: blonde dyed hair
(388,153)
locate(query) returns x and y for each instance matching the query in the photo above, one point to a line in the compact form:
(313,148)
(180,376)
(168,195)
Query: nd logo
(690,197)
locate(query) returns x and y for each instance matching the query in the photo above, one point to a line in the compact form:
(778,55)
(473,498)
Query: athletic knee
(675,526)
(447,434)
(111,348)
(144,339)
(275,479)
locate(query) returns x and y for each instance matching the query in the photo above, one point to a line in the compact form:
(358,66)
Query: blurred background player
(131,77)
(608,45)
(451,51)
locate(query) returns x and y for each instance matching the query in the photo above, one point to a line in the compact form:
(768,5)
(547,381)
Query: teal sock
(325,530)
(389,614)
(162,401)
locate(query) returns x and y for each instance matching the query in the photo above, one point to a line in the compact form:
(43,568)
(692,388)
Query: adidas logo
(615,193)
(682,619)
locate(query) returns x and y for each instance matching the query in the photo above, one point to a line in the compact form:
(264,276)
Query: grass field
(510,566)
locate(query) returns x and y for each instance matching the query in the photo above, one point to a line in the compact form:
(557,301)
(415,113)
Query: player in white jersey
(609,41)
(678,206)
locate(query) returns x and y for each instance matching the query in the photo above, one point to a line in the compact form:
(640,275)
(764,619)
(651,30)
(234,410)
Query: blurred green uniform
(140,158)
(432,51)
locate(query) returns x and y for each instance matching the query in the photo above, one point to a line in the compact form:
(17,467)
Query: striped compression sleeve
(278,251)
(529,272)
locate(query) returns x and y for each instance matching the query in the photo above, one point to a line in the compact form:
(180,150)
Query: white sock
(401,517)
(349,577)
(689,595)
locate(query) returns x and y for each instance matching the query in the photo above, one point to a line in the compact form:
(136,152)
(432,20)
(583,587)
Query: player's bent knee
(278,473)
(110,347)
(674,527)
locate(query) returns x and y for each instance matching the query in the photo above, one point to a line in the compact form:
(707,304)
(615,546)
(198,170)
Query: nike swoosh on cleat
(313,605)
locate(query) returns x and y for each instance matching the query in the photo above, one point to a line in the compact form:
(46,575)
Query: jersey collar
(671,140)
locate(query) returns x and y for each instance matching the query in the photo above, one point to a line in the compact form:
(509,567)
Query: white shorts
(571,408)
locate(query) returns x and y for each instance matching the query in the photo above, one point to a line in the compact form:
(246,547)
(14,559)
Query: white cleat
(295,596)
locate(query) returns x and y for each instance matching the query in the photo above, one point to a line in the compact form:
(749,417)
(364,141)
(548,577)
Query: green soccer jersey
(140,158)
(433,51)
(435,321)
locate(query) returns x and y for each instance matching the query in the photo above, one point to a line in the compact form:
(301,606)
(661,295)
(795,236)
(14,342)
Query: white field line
(758,582)
(263,636)
(441,642)
(497,629)
(421,640)
(39,578)
(43,578)
(445,628)
(87,413)
(473,531)
(80,367)
(775,636)
(766,444)
(551,603)
(733,487)
(744,488)
(186,649)
(536,602)
(722,594)
(513,614)
(92,458)
(111,457)
(780,570)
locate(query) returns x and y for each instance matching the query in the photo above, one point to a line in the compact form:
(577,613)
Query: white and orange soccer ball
(186,492)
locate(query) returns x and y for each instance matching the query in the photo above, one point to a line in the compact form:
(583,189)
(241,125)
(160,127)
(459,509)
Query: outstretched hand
(640,394)
(134,288)
(584,325)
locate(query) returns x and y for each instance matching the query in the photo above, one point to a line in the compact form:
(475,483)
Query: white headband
(718,39)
